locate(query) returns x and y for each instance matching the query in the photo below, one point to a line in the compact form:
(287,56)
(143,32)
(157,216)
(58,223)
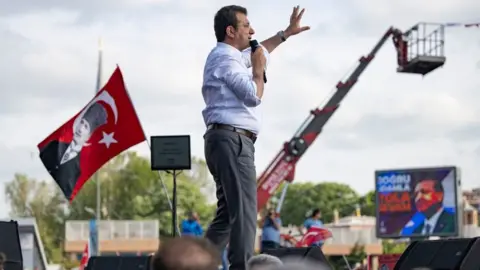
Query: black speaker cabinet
(313,254)
(119,263)
(10,245)
(451,254)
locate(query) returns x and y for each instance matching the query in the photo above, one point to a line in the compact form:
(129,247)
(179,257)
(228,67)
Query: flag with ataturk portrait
(105,127)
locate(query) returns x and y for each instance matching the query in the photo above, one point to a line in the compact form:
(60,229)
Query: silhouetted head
(263,262)
(316,214)
(193,215)
(186,253)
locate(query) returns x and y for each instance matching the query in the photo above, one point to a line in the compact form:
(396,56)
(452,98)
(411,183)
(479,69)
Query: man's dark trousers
(230,159)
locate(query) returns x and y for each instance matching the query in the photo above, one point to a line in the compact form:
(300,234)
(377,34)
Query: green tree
(393,247)
(200,174)
(357,255)
(327,196)
(368,204)
(44,202)
(129,189)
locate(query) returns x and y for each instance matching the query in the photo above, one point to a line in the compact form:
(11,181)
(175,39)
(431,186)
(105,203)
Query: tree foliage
(303,197)
(130,190)
(44,202)
(393,247)
(357,255)
(368,203)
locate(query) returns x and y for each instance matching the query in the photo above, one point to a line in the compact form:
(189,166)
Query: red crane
(418,52)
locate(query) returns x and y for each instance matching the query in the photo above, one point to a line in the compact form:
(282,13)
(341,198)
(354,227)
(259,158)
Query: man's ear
(230,31)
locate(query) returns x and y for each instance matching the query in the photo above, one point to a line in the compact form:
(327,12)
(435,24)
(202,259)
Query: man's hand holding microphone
(258,67)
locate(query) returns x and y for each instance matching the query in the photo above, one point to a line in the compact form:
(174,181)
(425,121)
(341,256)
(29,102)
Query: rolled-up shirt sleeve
(232,72)
(247,59)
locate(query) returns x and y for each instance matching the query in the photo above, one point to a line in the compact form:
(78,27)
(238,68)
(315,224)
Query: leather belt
(241,131)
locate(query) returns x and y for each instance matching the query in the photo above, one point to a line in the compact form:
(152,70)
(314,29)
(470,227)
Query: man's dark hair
(186,253)
(437,186)
(95,115)
(225,17)
(315,212)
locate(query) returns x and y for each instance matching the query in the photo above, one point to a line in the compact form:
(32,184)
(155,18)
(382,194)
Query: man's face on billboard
(426,196)
(82,132)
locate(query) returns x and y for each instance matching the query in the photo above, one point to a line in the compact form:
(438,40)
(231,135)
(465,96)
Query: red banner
(388,261)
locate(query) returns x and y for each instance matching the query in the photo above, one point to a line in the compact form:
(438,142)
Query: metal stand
(172,155)
(174,174)
(346,262)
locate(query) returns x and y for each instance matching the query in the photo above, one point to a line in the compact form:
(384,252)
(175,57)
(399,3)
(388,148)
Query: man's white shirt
(432,222)
(228,89)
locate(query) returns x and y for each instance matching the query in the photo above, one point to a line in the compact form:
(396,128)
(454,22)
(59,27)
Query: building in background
(116,237)
(472,197)
(471,206)
(131,238)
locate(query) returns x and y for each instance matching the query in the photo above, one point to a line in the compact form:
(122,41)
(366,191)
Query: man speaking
(231,94)
(429,197)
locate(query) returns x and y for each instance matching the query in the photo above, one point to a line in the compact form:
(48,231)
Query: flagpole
(96,178)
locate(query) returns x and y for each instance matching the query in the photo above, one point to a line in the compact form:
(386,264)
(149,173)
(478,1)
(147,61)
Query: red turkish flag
(104,128)
(313,235)
(85,257)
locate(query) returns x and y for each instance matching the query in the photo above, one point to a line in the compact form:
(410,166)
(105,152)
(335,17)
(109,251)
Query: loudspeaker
(119,263)
(451,254)
(313,254)
(10,245)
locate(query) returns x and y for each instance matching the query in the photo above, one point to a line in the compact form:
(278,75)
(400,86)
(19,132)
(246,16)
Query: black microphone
(254,45)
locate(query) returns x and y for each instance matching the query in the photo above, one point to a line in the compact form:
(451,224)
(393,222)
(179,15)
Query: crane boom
(282,168)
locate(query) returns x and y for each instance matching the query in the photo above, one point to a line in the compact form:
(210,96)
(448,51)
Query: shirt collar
(434,219)
(228,47)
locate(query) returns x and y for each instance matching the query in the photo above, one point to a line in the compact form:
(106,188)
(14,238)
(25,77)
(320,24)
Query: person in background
(314,221)
(191,226)
(271,231)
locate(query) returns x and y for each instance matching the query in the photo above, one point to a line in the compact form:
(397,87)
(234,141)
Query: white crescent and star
(108,139)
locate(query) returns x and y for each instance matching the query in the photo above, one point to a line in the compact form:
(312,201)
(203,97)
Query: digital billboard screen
(416,202)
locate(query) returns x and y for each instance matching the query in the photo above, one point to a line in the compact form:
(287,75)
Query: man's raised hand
(294,27)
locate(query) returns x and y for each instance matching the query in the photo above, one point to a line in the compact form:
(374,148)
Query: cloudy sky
(48,68)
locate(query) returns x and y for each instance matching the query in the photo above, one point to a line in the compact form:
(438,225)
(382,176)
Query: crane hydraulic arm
(282,168)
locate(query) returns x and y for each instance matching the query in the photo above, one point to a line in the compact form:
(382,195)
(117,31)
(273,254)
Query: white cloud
(388,120)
